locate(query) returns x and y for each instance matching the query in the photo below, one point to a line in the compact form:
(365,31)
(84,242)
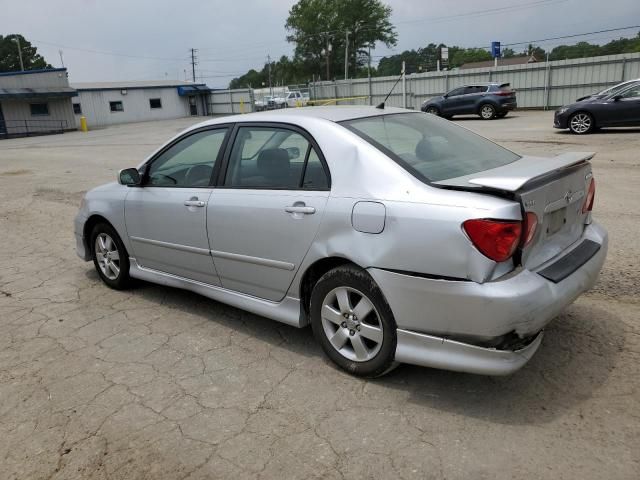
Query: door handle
(194,202)
(300,209)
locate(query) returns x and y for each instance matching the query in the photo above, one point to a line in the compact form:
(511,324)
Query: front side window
(274,158)
(116,106)
(189,162)
(39,109)
(456,92)
(430,148)
(632,93)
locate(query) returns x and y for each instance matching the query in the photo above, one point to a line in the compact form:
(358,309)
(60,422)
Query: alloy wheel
(432,110)
(107,256)
(487,112)
(352,324)
(581,123)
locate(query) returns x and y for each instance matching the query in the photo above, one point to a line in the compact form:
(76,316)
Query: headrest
(273,161)
(424,149)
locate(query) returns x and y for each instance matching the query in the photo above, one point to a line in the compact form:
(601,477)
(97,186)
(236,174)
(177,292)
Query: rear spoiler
(513,176)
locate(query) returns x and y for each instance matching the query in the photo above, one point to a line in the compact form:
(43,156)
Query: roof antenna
(381,105)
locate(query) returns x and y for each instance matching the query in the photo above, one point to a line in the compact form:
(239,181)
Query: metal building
(35,102)
(109,103)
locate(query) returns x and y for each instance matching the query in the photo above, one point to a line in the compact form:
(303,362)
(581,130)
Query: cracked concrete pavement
(157,383)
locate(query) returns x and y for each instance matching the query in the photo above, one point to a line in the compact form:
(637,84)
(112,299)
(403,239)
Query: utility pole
(346,55)
(193,63)
(404,86)
(270,88)
(369,76)
(327,52)
(61,59)
(20,53)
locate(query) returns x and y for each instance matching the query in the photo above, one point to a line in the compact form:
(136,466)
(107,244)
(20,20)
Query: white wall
(95,106)
(17,111)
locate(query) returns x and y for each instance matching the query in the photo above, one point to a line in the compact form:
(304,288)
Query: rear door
(166,216)
(469,101)
(265,213)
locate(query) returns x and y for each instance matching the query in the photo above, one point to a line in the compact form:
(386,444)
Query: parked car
(489,100)
(611,90)
(400,237)
(265,103)
(619,109)
(291,99)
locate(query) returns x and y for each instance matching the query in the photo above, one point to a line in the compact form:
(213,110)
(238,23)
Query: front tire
(581,123)
(110,257)
(353,322)
(487,111)
(432,110)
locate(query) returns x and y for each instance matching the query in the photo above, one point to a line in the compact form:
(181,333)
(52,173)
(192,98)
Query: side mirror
(617,98)
(129,177)
(446,95)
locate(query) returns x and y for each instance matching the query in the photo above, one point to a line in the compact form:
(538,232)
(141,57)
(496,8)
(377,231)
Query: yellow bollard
(241,106)
(83,124)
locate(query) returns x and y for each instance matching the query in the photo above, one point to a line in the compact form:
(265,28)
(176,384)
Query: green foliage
(585,49)
(318,28)
(10,60)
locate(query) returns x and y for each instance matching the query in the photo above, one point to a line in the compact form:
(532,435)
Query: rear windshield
(430,148)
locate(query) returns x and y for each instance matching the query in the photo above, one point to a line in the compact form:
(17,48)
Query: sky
(111,40)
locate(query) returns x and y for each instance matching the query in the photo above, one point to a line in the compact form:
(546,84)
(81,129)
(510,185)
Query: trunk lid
(553,188)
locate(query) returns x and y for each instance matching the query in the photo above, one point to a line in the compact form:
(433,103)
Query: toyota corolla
(398,236)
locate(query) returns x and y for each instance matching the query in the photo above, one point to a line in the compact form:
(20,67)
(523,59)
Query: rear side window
(274,158)
(430,148)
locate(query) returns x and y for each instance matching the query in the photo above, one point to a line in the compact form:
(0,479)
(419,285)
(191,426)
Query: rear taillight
(591,195)
(529,228)
(504,93)
(496,239)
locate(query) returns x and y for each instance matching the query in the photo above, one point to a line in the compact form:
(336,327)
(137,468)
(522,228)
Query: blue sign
(495,49)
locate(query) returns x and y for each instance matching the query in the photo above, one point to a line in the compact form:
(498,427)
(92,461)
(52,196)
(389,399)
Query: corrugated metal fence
(538,85)
(225,102)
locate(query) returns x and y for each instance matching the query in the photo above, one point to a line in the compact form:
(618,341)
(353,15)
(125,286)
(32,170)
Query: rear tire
(110,257)
(581,123)
(487,111)
(353,322)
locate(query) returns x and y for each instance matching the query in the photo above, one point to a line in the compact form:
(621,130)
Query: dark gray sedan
(620,109)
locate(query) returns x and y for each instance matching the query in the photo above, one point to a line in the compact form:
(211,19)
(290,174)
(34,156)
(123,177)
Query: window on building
(77,109)
(155,103)
(116,106)
(39,109)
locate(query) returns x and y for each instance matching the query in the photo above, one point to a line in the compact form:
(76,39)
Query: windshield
(429,147)
(615,89)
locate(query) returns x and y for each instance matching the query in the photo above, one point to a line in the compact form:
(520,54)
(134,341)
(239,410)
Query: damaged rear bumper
(436,352)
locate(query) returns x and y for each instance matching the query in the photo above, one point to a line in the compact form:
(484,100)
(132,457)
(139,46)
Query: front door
(193,107)
(452,103)
(625,110)
(166,217)
(264,217)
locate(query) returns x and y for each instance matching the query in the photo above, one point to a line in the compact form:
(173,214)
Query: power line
(572,36)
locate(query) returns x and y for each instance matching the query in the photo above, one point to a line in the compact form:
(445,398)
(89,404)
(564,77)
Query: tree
(508,53)
(320,28)
(535,51)
(467,55)
(10,59)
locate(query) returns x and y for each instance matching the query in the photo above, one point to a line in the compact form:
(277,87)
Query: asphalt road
(157,383)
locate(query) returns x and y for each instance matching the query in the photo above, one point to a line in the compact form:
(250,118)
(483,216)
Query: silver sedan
(399,236)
